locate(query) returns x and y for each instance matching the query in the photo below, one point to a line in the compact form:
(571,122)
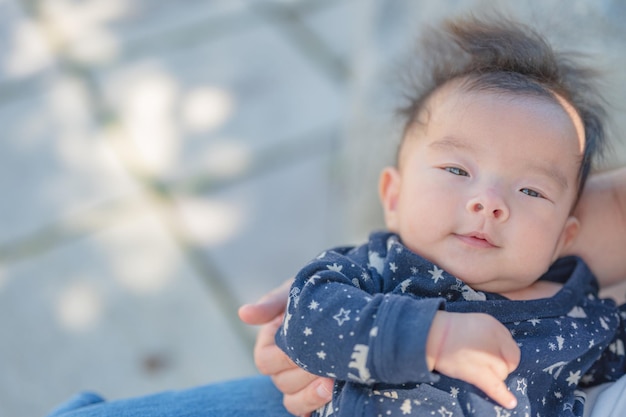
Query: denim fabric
(249,397)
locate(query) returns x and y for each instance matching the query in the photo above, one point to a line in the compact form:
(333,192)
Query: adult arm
(601,241)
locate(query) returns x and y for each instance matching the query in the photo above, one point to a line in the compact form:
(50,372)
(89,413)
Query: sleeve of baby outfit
(337,324)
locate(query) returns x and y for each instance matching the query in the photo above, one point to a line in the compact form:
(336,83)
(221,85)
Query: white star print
(393,267)
(521,386)
(342,316)
(534,322)
(321,354)
(335,267)
(436,273)
(573,378)
(307,331)
(454,392)
(313,305)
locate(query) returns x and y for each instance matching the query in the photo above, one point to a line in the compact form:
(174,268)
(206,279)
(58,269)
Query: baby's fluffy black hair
(500,54)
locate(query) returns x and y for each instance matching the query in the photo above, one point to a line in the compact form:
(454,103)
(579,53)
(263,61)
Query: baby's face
(484,189)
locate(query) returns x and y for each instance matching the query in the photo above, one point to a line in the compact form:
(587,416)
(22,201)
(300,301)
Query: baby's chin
(490,278)
(519,289)
(480,277)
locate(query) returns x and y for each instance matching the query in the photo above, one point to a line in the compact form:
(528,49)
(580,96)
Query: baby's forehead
(497,110)
(463,92)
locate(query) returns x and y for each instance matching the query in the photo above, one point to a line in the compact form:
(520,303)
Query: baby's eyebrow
(549,170)
(452,143)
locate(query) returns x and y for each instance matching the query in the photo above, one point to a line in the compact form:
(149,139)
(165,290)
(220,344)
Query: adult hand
(302,392)
(602,236)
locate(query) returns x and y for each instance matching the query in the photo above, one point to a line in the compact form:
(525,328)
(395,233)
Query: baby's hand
(475,348)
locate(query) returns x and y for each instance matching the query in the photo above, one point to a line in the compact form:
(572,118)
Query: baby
(461,308)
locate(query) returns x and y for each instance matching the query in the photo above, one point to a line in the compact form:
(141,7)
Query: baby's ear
(568,235)
(389,190)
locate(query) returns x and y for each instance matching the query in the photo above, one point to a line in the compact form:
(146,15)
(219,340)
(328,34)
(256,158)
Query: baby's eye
(531,193)
(457,171)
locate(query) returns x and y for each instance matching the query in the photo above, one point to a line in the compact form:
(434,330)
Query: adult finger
(315,395)
(271,305)
(268,357)
(293,380)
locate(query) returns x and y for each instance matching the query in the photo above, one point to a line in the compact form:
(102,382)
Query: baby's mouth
(477,239)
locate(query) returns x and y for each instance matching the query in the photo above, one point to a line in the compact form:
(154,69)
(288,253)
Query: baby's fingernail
(512,404)
(323,392)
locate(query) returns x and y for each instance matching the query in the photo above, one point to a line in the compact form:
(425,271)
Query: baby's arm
(339,325)
(334,328)
(475,348)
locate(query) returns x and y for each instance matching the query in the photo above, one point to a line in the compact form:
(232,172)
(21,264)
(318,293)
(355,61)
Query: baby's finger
(511,354)
(497,391)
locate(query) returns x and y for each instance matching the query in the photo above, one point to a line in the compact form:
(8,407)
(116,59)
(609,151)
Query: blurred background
(163,162)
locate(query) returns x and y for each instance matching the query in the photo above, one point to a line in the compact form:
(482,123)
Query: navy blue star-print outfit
(362,314)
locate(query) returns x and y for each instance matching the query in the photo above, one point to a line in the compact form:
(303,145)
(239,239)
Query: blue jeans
(250,397)
(257,397)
